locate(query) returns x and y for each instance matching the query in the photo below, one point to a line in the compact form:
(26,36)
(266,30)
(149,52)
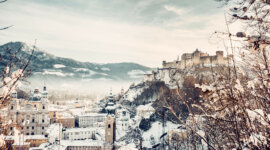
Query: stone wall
(197,58)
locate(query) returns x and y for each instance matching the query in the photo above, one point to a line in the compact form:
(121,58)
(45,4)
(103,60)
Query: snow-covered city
(110,76)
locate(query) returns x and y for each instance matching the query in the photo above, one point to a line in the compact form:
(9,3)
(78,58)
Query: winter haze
(140,31)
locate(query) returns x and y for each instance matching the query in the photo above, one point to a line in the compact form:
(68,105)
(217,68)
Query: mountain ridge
(66,74)
(43,61)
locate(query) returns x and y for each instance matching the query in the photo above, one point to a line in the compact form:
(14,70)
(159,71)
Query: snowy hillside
(49,68)
(144,103)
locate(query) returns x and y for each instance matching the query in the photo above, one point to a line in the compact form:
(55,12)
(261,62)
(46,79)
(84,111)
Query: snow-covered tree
(134,135)
(235,107)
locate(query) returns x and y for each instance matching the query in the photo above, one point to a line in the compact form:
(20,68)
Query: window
(109,126)
(11,107)
(33,127)
(32,133)
(35,105)
(11,128)
(22,120)
(27,127)
(124,113)
(42,128)
(27,133)
(43,121)
(43,107)
(33,120)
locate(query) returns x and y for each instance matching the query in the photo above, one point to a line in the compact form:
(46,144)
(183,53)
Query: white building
(29,116)
(74,145)
(53,132)
(79,134)
(122,119)
(91,120)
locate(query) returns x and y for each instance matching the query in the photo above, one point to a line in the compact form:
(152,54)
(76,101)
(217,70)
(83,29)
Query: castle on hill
(198,59)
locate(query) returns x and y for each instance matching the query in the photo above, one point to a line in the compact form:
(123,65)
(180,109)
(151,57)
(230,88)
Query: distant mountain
(47,67)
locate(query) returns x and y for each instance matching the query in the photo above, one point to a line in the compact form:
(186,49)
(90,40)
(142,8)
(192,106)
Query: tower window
(43,107)
(109,126)
(11,107)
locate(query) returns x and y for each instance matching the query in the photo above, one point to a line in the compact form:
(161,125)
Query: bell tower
(110,130)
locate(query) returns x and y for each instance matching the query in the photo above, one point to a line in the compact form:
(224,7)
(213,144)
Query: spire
(44,87)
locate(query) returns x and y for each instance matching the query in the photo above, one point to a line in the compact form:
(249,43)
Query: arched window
(11,107)
(109,125)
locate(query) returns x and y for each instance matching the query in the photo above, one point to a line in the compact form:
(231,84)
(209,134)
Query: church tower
(44,92)
(110,108)
(110,129)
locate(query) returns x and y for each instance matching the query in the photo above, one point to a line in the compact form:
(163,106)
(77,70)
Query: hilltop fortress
(197,60)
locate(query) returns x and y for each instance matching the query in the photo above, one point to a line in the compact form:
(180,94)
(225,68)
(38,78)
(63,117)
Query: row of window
(43,107)
(11,128)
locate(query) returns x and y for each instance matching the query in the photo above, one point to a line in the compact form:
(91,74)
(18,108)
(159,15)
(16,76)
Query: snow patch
(57,73)
(105,69)
(130,146)
(59,66)
(133,94)
(152,136)
(136,73)
(81,69)
(145,111)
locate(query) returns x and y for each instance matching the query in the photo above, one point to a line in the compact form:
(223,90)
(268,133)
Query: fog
(64,89)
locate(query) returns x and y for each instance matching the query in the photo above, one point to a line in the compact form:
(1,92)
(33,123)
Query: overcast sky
(105,31)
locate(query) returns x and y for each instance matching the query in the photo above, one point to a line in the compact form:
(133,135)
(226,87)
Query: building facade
(79,134)
(90,119)
(30,117)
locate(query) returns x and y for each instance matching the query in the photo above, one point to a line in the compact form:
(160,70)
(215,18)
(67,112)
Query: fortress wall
(198,58)
(186,56)
(168,64)
(205,60)
(204,54)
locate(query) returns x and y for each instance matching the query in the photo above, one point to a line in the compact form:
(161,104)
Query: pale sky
(108,31)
